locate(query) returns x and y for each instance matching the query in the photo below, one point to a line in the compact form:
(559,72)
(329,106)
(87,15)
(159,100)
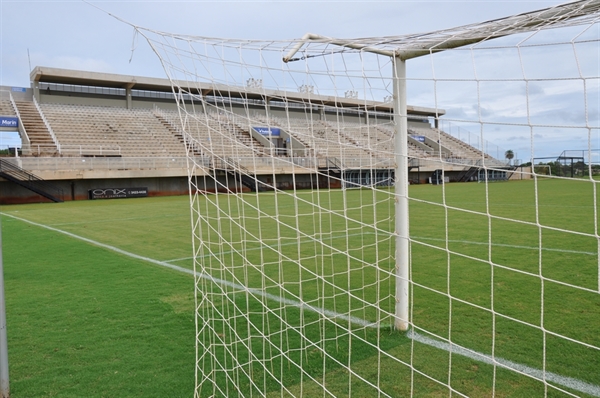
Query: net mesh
(292,174)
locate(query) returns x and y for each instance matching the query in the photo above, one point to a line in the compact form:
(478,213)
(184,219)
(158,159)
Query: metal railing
(11,171)
(73,150)
(248,165)
(474,140)
(91,150)
(105,163)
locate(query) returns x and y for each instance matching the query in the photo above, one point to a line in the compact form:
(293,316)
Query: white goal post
(339,248)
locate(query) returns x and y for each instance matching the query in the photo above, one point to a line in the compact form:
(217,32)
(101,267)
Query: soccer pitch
(504,269)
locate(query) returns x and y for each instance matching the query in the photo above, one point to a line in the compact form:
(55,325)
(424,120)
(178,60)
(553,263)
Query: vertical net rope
(292,168)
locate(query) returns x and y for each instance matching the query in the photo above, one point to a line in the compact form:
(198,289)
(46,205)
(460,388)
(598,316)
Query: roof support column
(35,86)
(128,99)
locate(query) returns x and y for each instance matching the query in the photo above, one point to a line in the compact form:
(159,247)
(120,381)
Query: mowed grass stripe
(293,303)
(454,281)
(557,379)
(84,321)
(153,227)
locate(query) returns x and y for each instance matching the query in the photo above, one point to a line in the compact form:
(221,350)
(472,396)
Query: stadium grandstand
(85,133)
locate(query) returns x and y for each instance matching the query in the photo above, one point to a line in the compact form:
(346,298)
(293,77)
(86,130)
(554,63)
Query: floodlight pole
(4,383)
(401,321)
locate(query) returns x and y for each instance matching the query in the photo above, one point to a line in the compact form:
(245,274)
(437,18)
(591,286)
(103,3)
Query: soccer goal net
(392,216)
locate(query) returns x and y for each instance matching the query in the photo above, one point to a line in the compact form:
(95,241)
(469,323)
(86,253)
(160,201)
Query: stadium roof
(83,78)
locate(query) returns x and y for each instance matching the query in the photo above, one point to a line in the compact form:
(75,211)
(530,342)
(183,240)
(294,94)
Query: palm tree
(509,155)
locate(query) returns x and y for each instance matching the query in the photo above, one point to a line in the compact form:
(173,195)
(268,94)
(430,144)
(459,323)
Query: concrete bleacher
(6,108)
(457,149)
(214,134)
(367,137)
(325,140)
(416,149)
(41,142)
(85,130)
(355,143)
(135,133)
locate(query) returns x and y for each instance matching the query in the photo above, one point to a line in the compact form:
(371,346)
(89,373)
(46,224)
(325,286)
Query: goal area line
(568,382)
(414,239)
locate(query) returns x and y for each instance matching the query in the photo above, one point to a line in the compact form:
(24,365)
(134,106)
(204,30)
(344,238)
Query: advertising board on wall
(116,193)
(9,121)
(268,131)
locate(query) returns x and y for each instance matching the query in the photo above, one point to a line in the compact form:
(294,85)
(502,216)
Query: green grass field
(85,320)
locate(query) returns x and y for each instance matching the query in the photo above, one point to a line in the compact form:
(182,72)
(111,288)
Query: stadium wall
(87,100)
(18,93)
(78,189)
(11,193)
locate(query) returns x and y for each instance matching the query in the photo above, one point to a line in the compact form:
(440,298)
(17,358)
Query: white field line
(466,242)
(414,239)
(256,292)
(564,381)
(272,245)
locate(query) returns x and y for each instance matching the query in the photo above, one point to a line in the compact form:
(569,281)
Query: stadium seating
(6,108)
(41,142)
(137,133)
(214,133)
(83,130)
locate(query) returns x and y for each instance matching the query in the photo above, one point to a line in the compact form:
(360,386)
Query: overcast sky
(75,35)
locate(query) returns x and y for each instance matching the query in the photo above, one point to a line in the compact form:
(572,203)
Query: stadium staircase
(238,133)
(244,137)
(40,139)
(510,171)
(242,174)
(22,177)
(332,167)
(467,174)
(6,108)
(175,131)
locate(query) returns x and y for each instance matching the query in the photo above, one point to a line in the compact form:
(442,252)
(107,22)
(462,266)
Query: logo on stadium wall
(115,193)
(269,131)
(9,121)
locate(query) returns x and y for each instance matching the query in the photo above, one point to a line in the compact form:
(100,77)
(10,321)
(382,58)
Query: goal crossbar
(413,46)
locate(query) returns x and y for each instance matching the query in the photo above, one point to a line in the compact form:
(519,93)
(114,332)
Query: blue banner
(270,131)
(419,138)
(19,89)
(9,121)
